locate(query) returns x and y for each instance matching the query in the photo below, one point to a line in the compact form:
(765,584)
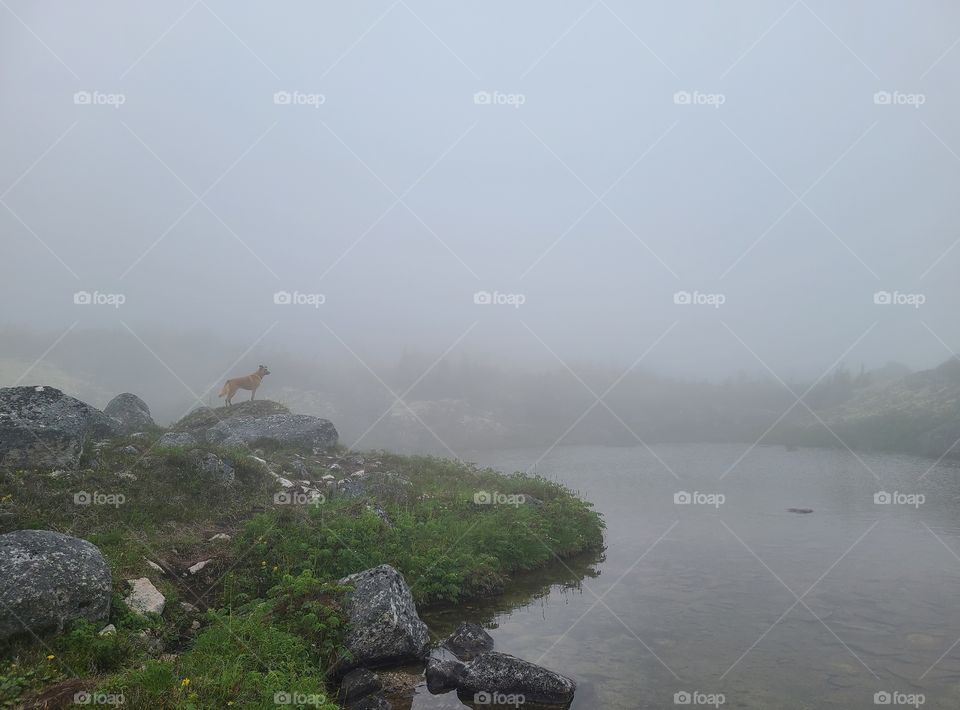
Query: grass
(268,617)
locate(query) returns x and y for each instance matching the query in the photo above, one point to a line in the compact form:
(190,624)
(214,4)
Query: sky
(696,188)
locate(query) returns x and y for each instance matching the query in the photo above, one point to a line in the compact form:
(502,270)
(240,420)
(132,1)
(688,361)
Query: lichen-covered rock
(493,674)
(300,430)
(41,427)
(48,580)
(131,412)
(469,640)
(214,468)
(384,626)
(387,487)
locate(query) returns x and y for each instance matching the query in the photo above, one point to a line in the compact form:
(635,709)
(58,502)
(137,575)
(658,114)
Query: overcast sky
(589,162)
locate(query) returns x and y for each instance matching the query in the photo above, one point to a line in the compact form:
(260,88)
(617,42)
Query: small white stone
(144,598)
(108,630)
(153,565)
(199,566)
(219,536)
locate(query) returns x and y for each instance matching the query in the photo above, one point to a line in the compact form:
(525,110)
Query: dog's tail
(223,390)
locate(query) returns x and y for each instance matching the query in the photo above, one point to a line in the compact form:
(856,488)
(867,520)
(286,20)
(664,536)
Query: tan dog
(250,382)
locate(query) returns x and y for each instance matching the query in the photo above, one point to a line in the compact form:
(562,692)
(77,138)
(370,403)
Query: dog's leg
(252,393)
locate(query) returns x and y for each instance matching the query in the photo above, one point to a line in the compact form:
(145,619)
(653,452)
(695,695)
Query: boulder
(41,427)
(469,640)
(300,430)
(357,685)
(48,580)
(384,626)
(387,486)
(177,438)
(131,412)
(499,674)
(144,598)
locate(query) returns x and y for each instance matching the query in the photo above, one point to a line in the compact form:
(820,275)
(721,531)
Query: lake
(731,598)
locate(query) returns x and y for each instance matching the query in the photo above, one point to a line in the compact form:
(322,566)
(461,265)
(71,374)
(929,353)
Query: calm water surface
(772,609)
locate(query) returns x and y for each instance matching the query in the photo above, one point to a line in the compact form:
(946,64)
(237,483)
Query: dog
(250,382)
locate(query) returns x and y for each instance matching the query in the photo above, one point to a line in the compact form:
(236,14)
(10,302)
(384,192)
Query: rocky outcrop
(493,675)
(131,412)
(48,580)
(469,640)
(384,626)
(299,430)
(41,427)
(387,486)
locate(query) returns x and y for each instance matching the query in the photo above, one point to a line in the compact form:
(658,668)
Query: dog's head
(263,371)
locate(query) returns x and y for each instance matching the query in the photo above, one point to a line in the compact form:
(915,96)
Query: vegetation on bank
(265,616)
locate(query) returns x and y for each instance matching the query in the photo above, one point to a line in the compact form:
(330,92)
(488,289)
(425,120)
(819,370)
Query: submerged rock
(800,511)
(131,412)
(384,626)
(41,427)
(49,580)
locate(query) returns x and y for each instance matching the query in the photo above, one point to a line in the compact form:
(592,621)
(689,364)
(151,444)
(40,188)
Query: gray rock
(144,598)
(301,430)
(177,438)
(49,580)
(215,468)
(41,427)
(443,674)
(131,412)
(372,702)
(384,626)
(503,674)
(469,640)
(358,684)
(388,486)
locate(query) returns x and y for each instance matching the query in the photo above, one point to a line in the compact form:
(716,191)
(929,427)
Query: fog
(387,167)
